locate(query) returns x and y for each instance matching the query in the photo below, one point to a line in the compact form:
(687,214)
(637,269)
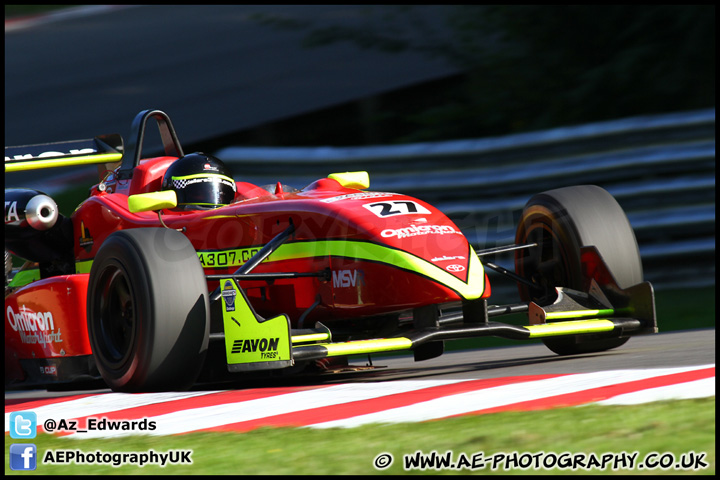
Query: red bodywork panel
(408,246)
(46,319)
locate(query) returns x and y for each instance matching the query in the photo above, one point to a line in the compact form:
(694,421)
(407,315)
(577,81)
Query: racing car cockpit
(199,181)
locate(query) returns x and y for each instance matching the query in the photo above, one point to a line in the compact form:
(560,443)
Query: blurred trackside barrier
(661,169)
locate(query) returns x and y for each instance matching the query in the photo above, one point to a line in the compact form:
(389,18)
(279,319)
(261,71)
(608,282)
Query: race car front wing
(606,311)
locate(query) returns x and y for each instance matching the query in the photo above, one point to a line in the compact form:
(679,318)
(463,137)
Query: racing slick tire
(148,311)
(561,222)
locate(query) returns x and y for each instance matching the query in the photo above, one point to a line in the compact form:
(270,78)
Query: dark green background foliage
(573,64)
(530,67)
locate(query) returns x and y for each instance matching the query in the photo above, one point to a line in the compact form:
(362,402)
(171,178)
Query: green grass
(675,428)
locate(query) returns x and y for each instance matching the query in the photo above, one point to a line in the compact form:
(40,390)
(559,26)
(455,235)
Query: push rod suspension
(256,259)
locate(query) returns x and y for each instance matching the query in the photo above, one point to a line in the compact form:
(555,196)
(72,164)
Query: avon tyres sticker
(251,342)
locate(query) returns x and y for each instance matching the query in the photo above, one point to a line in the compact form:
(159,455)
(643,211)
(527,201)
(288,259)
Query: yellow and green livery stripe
(51,162)
(203,175)
(374,252)
(578,327)
(471,289)
(367,346)
(360,250)
(310,337)
(378,345)
(603,312)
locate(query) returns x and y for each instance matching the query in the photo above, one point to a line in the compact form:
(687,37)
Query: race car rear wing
(102,149)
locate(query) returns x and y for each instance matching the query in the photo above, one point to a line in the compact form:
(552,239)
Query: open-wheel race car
(171,271)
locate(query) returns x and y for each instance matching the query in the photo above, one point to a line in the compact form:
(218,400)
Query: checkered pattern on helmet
(179,184)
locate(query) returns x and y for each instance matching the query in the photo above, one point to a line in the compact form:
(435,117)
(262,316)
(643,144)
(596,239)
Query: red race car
(172,272)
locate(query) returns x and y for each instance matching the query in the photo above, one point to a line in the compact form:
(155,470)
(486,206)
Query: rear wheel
(148,311)
(561,222)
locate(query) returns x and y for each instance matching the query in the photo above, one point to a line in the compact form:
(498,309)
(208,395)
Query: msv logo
(348,278)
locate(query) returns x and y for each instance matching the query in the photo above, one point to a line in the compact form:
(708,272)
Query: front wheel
(561,222)
(148,311)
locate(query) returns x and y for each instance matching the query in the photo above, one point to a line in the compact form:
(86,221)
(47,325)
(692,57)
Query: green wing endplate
(252,342)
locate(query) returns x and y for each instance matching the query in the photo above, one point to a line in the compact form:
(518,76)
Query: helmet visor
(208,191)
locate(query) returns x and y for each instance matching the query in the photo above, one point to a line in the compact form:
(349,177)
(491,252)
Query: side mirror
(359,180)
(146,202)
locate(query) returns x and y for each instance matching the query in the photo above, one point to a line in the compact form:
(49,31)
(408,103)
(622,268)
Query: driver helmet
(200,181)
